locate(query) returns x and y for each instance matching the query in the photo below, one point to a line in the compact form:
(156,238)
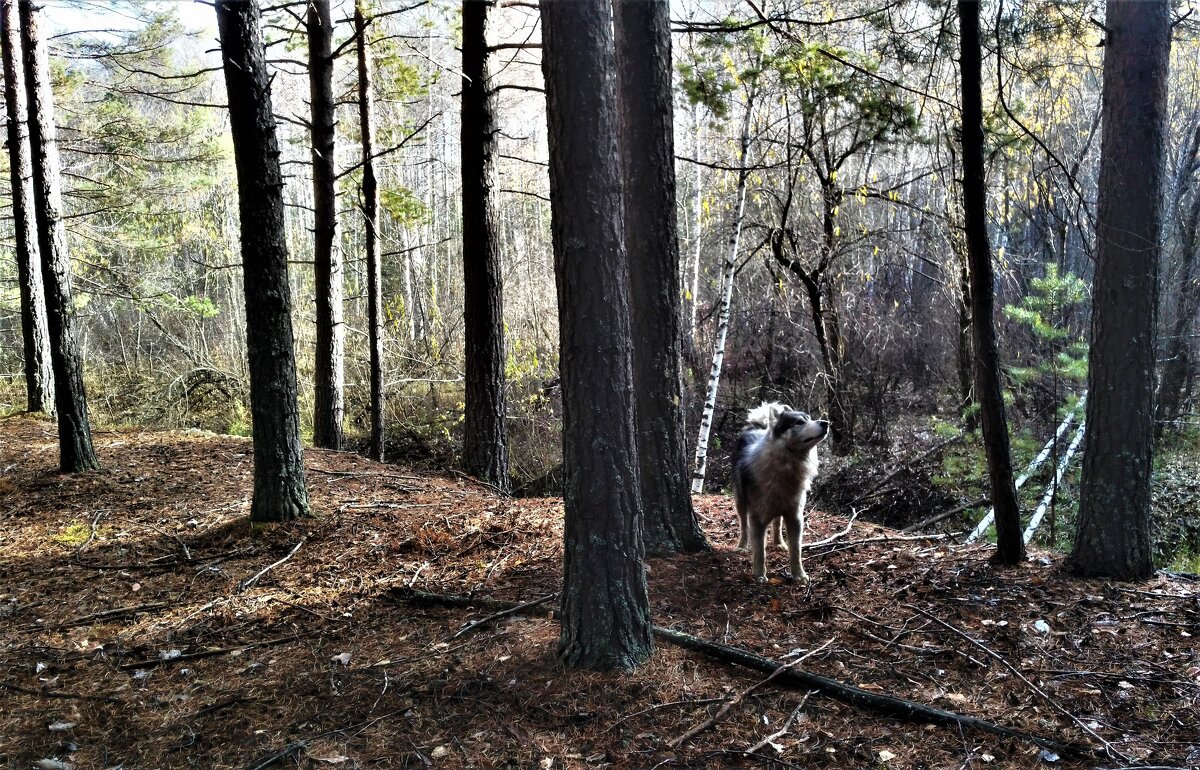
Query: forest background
(839,121)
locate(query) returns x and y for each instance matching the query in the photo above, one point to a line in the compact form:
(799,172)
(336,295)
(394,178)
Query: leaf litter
(317,664)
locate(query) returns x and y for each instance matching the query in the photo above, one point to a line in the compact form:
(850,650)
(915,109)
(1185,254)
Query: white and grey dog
(774,464)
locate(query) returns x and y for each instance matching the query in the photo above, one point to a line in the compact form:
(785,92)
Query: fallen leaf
(330,760)
(343,658)
(61,727)
(440,752)
(886,756)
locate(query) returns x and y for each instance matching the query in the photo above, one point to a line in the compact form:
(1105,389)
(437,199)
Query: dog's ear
(785,421)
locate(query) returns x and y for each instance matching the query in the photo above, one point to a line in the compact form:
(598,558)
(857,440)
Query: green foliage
(1045,312)
(404,207)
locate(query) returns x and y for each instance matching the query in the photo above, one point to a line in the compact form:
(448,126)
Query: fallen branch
(242,586)
(1108,747)
(879,703)
(477,624)
(855,696)
(835,547)
(741,696)
(657,706)
(904,466)
(940,517)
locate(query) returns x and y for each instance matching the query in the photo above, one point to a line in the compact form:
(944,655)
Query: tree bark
(1112,536)
(643,47)
(280,493)
(370,204)
(70,400)
(35,332)
(329,389)
(605,609)
(1010,547)
(485,442)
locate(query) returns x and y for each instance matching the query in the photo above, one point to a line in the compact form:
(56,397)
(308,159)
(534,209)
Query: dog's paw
(760,578)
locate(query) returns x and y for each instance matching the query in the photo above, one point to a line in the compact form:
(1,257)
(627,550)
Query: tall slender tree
(370,206)
(280,493)
(643,48)
(605,609)
(485,443)
(1112,536)
(1010,545)
(70,399)
(329,399)
(728,273)
(35,334)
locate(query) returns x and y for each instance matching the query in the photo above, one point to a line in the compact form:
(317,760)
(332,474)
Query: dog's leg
(744,536)
(775,535)
(758,548)
(795,534)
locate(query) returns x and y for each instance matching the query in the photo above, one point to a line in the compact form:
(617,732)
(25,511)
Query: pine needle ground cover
(144,623)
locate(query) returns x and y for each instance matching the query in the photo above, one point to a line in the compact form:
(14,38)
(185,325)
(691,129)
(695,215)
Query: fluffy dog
(774,463)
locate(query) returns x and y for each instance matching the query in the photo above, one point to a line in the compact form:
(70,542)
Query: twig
(279,756)
(786,726)
(110,614)
(1040,692)
(657,706)
(843,533)
(721,712)
(882,539)
(242,586)
(151,662)
(911,463)
(477,624)
(61,695)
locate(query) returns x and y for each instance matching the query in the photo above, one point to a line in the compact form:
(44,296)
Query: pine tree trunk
(718,359)
(329,398)
(35,332)
(70,400)
(485,443)
(1010,546)
(1112,536)
(605,608)
(1177,357)
(643,39)
(280,493)
(370,204)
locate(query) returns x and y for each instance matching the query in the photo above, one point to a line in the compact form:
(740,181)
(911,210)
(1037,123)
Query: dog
(774,464)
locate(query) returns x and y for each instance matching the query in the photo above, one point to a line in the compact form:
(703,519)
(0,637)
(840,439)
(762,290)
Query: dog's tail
(765,415)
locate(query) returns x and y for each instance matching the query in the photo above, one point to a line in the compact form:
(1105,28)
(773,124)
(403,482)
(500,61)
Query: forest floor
(138,629)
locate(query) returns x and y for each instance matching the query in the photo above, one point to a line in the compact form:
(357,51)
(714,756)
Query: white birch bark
(714,377)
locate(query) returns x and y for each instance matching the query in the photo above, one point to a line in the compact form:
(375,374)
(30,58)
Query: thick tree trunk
(370,204)
(643,39)
(1010,547)
(700,464)
(605,609)
(35,332)
(328,391)
(1112,535)
(70,400)
(280,493)
(485,442)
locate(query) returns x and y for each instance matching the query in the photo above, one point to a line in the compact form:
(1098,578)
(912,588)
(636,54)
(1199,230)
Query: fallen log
(889,705)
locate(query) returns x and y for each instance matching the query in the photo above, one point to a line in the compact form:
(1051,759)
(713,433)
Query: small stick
(110,614)
(711,721)
(476,624)
(279,756)
(1042,693)
(242,586)
(656,707)
(786,726)
(843,533)
(61,695)
(211,653)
